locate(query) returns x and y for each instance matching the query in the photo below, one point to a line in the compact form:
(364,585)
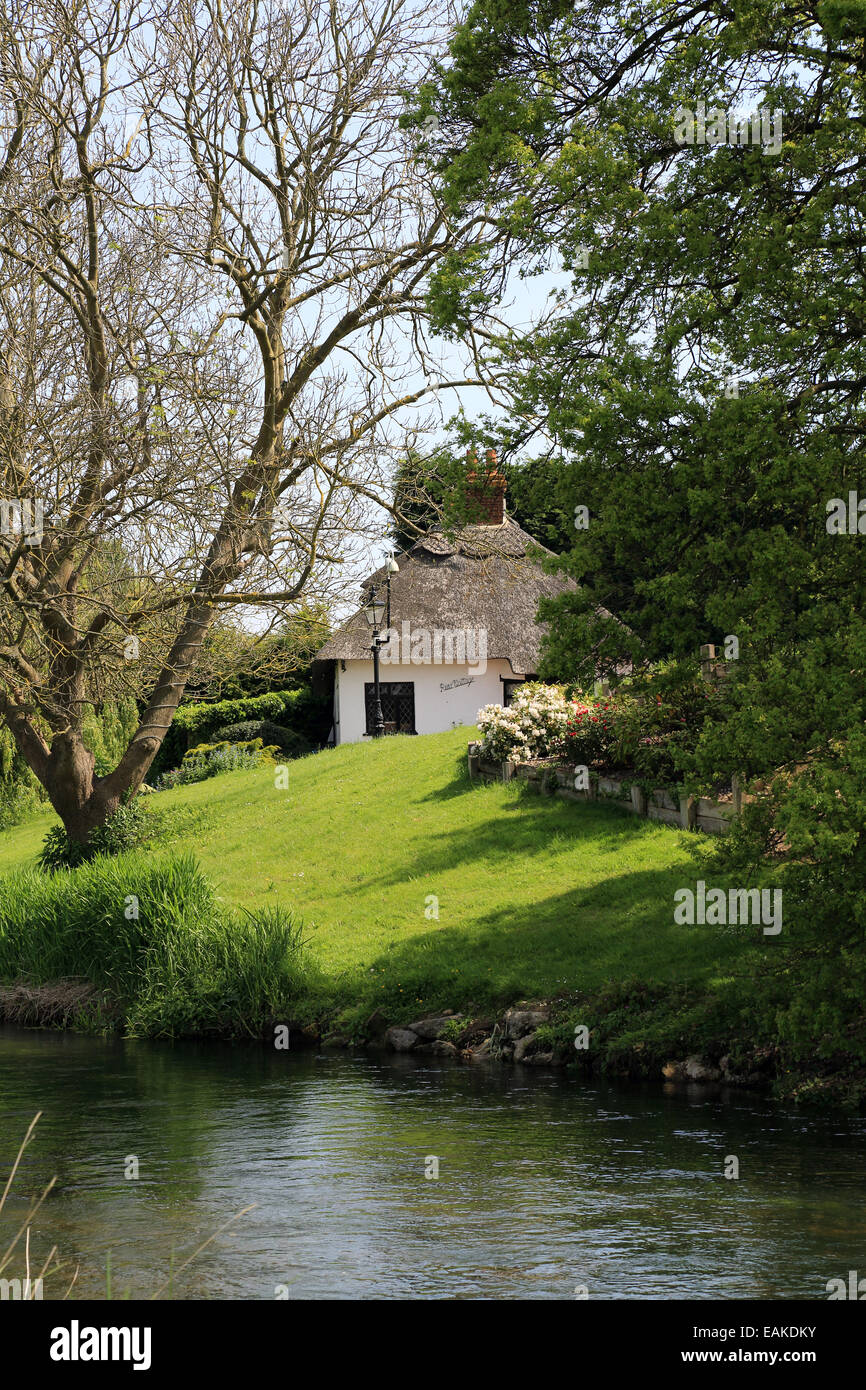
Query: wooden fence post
(708,661)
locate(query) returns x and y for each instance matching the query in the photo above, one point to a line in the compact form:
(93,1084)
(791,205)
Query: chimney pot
(485,493)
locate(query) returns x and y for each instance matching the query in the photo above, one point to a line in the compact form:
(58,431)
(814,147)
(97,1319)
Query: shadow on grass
(459,784)
(538,823)
(620,928)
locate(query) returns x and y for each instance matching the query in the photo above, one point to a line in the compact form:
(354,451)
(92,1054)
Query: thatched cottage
(461,633)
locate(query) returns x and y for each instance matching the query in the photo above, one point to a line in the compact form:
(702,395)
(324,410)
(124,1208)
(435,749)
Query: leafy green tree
(430,490)
(704,375)
(237,661)
(419,492)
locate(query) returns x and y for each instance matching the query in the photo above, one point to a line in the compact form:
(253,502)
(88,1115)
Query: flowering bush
(532,726)
(647,728)
(589,730)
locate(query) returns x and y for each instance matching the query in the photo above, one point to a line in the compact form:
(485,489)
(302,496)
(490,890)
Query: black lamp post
(374,611)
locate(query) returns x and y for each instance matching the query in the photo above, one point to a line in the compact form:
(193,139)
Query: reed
(167,956)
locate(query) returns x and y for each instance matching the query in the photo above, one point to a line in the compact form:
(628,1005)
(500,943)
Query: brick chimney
(485,491)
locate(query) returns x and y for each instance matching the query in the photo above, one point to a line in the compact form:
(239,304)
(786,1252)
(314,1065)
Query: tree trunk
(76,795)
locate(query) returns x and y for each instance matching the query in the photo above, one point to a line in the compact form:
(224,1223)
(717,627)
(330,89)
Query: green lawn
(535,894)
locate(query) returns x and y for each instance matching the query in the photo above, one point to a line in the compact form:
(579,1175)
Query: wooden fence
(685,812)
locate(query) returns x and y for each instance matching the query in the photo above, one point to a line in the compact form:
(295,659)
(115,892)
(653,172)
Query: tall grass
(169,956)
(29,1279)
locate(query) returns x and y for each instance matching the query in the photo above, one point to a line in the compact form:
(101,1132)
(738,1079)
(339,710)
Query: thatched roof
(480,578)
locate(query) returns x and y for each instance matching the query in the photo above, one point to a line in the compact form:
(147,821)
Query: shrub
(155,937)
(124,831)
(672,704)
(809,821)
(210,759)
(289,743)
(532,726)
(587,735)
(649,726)
(301,710)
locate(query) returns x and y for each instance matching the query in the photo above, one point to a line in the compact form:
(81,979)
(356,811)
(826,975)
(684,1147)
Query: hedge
(299,710)
(292,744)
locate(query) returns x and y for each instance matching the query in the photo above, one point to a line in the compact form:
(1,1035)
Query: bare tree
(217,243)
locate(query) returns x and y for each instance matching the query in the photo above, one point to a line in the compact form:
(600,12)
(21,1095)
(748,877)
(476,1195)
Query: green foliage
(660,715)
(236,664)
(637,1026)
(201,719)
(124,831)
(537,499)
(843,19)
(810,821)
(455,297)
(587,734)
(452,1030)
(307,714)
(289,743)
(20,801)
(419,492)
(7,753)
(707,508)
(173,959)
(430,490)
(210,759)
(107,732)
(21,796)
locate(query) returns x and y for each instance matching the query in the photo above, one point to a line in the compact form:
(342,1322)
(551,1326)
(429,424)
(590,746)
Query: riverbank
(630,1032)
(385,889)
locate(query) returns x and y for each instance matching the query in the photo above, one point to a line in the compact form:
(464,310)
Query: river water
(547,1184)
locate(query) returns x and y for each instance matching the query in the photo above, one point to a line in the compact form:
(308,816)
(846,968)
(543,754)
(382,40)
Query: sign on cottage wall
(452,685)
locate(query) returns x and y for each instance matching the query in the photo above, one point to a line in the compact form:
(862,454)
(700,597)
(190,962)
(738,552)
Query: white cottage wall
(445,695)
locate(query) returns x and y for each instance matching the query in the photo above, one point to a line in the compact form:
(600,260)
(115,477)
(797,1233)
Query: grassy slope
(535,894)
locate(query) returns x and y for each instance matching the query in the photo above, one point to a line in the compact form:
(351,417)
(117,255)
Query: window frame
(385,689)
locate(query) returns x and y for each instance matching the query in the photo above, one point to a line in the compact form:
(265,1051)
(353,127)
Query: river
(547,1184)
